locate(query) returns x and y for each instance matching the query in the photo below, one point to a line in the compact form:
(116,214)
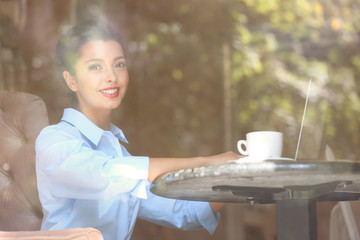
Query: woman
(86,178)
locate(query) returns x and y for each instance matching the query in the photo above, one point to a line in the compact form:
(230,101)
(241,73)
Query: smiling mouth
(112,92)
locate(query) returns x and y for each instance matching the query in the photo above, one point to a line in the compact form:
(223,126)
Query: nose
(110,76)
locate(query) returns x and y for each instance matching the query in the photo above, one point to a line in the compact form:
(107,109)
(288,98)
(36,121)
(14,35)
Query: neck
(101,118)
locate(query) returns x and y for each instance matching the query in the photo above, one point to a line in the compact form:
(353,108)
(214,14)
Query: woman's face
(101,77)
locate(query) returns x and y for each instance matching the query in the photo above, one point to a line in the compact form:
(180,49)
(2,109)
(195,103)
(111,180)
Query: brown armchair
(22,116)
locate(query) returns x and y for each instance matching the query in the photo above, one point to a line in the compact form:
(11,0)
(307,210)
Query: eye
(120,65)
(95,67)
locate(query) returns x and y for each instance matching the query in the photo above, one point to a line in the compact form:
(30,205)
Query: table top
(263,182)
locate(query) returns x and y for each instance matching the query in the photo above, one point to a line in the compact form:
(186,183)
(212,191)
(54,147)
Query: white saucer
(255,160)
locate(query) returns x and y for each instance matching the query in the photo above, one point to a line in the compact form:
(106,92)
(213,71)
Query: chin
(114,105)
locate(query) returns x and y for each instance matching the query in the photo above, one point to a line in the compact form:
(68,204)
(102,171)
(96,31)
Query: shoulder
(61,132)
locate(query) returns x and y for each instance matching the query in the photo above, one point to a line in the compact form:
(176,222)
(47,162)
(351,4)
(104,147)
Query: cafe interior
(203,74)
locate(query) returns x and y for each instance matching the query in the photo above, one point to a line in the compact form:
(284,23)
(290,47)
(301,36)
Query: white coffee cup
(261,145)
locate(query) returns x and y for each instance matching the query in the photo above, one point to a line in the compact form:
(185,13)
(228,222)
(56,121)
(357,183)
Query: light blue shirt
(86,178)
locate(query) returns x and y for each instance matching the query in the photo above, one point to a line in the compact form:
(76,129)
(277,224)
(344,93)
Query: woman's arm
(217,206)
(159,166)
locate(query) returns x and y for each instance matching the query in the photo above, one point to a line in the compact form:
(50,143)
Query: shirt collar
(118,133)
(88,128)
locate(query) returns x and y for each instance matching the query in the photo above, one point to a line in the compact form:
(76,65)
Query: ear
(70,81)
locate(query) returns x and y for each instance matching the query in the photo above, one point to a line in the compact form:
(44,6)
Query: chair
(22,116)
(344,224)
(66,234)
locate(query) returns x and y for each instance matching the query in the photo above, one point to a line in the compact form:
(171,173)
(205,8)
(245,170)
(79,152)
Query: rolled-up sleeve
(71,168)
(186,215)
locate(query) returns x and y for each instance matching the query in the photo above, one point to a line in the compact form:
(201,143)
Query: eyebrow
(100,59)
(118,58)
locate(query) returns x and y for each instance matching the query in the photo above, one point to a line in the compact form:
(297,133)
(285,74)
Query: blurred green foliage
(276,47)
(175,104)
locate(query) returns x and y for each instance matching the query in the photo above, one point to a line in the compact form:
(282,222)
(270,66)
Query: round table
(293,186)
